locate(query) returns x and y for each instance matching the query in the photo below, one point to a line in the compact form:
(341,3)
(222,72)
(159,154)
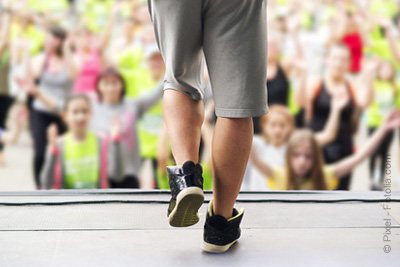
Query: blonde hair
(316,173)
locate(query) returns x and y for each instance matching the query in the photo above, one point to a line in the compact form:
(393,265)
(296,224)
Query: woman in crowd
(54,84)
(111,92)
(315,96)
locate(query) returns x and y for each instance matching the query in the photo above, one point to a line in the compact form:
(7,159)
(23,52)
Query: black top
(321,109)
(278,89)
(278,93)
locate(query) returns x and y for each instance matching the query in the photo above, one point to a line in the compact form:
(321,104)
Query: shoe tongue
(188,167)
(219,222)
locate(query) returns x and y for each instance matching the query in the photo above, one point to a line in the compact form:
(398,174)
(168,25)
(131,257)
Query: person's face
(338,61)
(86,40)
(51,43)
(110,89)
(156,63)
(301,159)
(276,128)
(280,24)
(78,114)
(386,71)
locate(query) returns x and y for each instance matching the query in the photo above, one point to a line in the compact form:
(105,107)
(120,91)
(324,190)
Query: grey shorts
(230,37)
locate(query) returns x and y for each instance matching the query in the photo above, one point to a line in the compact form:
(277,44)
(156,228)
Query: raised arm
(149,99)
(364,92)
(30,88)
(254,159)
(72,64)
(330,130)
(105,40)
(386,25)
(345,166)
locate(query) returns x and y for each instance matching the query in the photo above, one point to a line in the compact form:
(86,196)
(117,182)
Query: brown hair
(74,97)
(281,109)
(111,72)
(316,173)
(60,34)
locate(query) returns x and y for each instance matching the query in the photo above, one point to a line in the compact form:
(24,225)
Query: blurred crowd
(87,77)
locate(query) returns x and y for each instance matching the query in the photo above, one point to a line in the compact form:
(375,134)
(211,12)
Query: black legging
(40,121)
(381,152)
(335,152)
(5,104)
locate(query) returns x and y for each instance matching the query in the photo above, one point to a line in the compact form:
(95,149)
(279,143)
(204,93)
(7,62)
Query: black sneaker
(221,233)
(186,185)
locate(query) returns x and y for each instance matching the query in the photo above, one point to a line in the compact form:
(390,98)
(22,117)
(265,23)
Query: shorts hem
(240,113)
(194,96)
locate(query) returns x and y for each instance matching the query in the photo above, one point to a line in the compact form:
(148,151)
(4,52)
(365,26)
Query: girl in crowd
(385,91)
(270,147)
(315,96)
(305,168)
(86,64)
(111,91)
(110,87)
(54,84)
(80,159)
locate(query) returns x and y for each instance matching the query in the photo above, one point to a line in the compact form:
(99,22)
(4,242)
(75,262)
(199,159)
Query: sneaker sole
(188,202)
(211,248)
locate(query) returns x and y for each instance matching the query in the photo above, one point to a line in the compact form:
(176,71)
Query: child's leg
(231,147)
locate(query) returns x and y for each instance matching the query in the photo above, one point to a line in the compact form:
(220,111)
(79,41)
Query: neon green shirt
(52,7)
(149,126)
(31,33)
(384,101)
(82,167)
(387,9)
(97,13)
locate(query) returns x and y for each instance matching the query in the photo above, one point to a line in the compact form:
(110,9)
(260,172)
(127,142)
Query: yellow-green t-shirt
(97,14)
(384,101)
(33,34)
(280,179)
(387,9)
(81,162)
(52,7)
(150,124)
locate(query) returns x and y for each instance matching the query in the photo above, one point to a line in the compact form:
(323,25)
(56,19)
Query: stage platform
(130,228)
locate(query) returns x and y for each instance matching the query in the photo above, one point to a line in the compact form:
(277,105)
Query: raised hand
(27,85)
(116,127)
(339,101)
(392,120)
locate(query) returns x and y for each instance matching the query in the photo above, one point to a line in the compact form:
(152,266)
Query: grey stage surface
(138,234)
